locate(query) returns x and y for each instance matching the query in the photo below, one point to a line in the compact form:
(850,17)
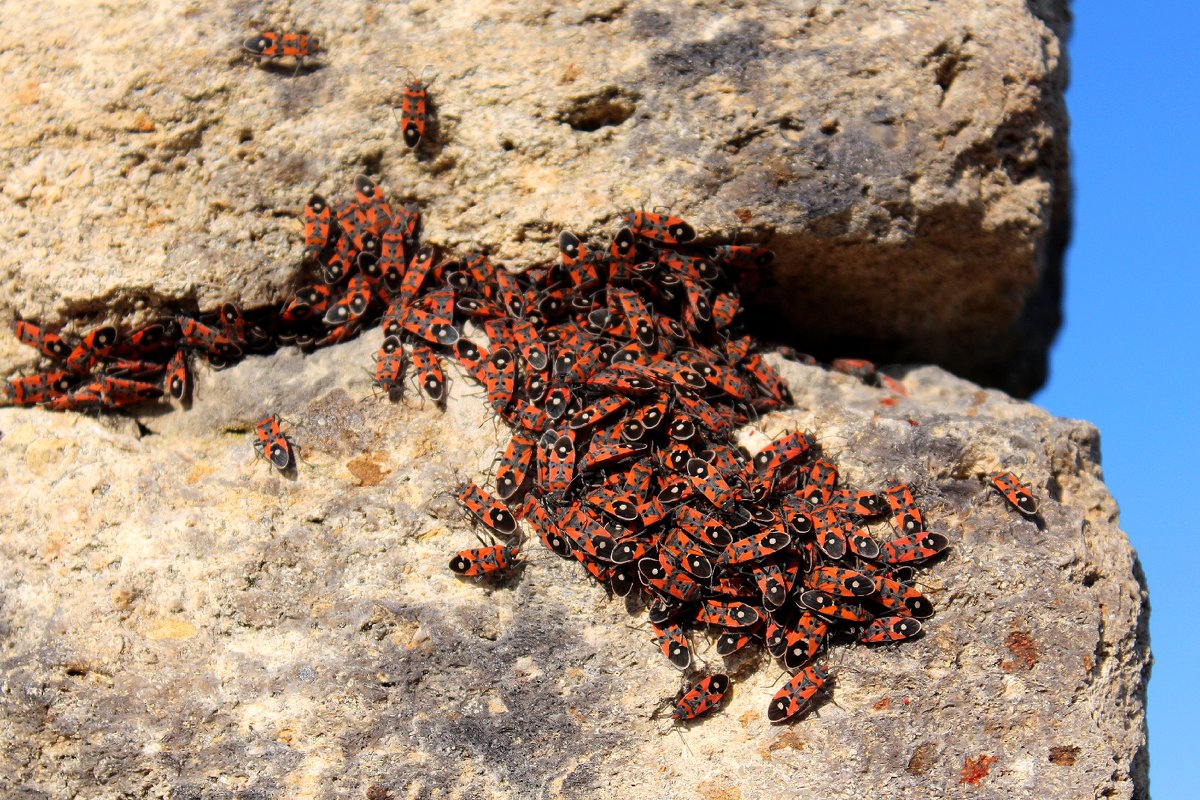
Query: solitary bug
(701,698)
(482,561)
(1019,495)
(272,444)
(414,110)
(273,44)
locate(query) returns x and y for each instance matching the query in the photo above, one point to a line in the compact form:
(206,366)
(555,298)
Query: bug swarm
(623,371)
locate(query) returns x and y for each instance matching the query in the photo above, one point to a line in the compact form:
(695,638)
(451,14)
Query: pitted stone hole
(609,106)
(830,126)
(948,60)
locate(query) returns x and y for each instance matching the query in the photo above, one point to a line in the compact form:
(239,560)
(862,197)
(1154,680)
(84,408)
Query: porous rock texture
(178,619)
(907,160)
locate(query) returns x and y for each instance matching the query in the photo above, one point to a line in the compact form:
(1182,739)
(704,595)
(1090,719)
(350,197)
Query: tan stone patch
(718,790)
(1064,755)
(171,629)
(369,468)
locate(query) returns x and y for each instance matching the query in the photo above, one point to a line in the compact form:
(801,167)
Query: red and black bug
(912,549)
(211,341)
(414,111)
(708,481)
(514,465)
(839,581)
(389,373)
(588,537)
(673,643)
(96,344)
(274,44)
(546,526)
(905,514)
(755,547)
(485,561)
(659,575)
(890,629)
(310,301)
(556,462)
(501,379)
(598,412)
(773,582)
(40,388)
(728,615)
(797,692)
(429,371)
(1019,495)
(117,392)
(833,608)
(319,226)
(179,376)
(85,396)
(900,599)
(271,443)
(802,639)
(233,324)
(702,697)
(353,304)
(857,367)
(862,504)
(49,344)
(660,228)
(491,513)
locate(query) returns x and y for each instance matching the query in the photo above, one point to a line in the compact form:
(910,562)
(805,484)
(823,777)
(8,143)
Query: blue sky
(1126,359)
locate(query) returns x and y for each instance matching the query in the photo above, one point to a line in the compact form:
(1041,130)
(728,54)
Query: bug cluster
(107,369)
(352,250)
(624,371)
(103,369)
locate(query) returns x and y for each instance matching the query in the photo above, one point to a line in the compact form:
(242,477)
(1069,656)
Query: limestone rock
(908,162)
(179,620)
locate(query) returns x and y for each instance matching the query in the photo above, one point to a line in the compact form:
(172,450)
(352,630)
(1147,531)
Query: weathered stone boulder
(908,164)
(179,620)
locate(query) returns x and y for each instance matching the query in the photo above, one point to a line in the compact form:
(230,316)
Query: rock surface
(907,161)
(179,620)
